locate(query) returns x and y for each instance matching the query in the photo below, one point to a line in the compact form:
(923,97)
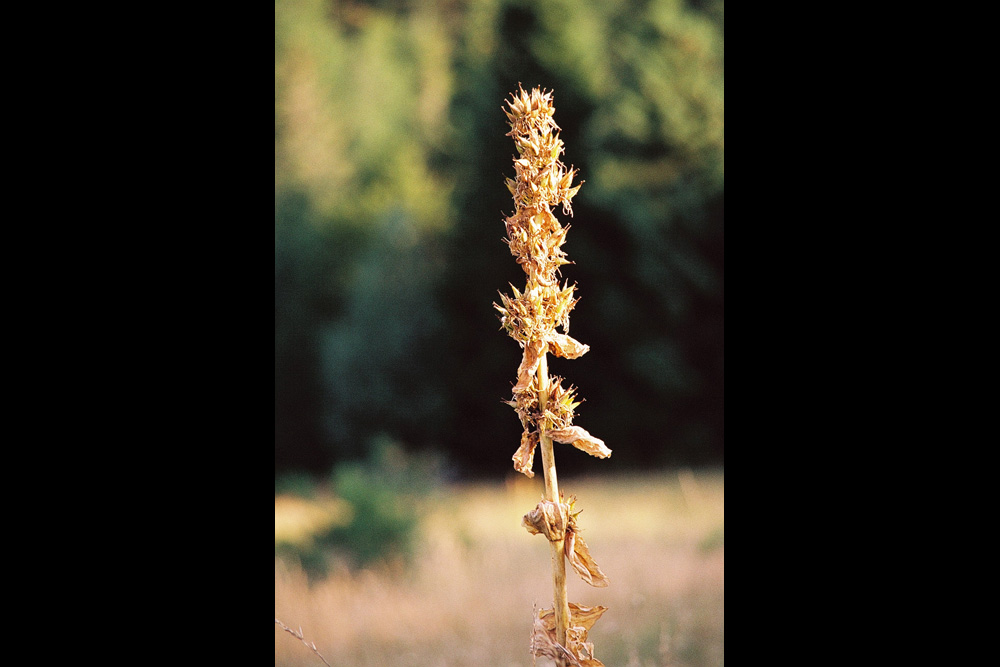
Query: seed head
(535,237)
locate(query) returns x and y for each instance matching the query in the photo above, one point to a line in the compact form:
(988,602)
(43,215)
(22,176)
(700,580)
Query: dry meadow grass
(467,601)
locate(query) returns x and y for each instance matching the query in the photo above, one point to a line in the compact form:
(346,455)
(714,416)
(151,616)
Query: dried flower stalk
(298,635)
(546,409)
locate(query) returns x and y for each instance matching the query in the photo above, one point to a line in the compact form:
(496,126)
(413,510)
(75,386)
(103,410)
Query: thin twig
(298,635)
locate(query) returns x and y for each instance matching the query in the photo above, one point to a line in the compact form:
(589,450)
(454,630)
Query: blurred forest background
(390,159)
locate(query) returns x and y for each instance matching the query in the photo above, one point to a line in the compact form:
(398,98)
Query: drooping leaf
(524,457)
(562,345)
(579,557)
(585,616)
(581,439)
(533,351)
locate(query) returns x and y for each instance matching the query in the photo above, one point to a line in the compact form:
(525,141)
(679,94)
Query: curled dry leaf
(524,457)
(562,345)
(533,351)
(556,521)
(548,518)
(544,644)
(580,651)
(581,439)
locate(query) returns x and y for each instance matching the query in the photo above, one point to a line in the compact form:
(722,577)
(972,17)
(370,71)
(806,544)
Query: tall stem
(560,596)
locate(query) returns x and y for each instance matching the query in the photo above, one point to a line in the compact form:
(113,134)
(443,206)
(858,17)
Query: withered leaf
(533,351)
(579,557)
(582,619)
(544,644)
(580,615)
(524,457)
(585,616)
(581,439)
(548,518)
(564,346)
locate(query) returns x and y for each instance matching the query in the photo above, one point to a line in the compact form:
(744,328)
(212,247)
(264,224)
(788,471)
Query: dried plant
(298,635)
(546,409)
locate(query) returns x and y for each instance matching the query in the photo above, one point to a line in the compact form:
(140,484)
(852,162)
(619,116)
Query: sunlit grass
(297,520)
(466,600)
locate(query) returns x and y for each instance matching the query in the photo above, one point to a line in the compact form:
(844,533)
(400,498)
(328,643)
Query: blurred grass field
(468,596)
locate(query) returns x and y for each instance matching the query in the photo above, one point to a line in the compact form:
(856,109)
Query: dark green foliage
(390,159)
(296,483)
(714,540)
(384,494)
